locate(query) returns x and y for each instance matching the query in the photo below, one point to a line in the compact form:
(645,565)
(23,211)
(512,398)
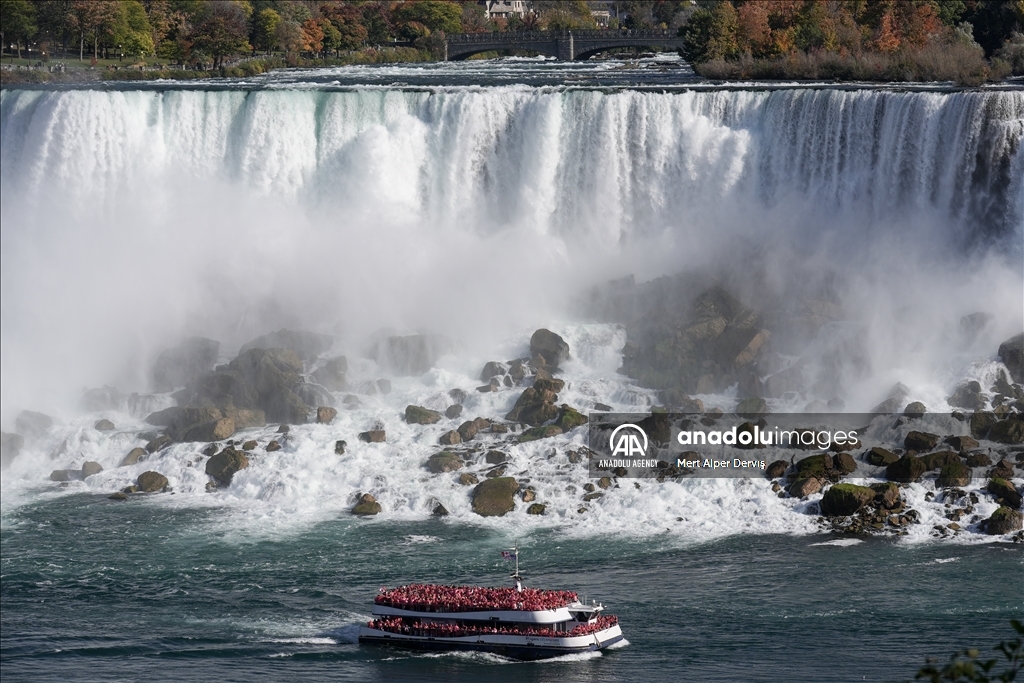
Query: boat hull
(514,647)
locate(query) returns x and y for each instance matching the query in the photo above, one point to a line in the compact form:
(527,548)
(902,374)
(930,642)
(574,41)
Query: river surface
(479,200)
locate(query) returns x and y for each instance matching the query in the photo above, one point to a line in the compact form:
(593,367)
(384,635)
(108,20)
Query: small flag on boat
(508,554)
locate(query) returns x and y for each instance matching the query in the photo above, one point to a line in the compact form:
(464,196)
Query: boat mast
(517,577)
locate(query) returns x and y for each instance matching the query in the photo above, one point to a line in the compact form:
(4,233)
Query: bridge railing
(532,36)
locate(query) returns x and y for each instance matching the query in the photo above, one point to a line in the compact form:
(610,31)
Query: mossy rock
(150,482)
(443,462)
(818,466)
(1004,521)
(570,418)
(843,500)
(421,416)
(954,474)
(223,466)
(752,406)
(1005,491)
(934,461)
(879,456)
(907,469)
(543,432)
(494,497)
(536,509)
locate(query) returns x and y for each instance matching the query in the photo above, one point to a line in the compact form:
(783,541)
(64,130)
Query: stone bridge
(564,45)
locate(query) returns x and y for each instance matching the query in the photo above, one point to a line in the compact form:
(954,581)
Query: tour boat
(516,622)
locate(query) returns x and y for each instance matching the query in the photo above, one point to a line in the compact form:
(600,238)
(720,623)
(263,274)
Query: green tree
(222,30)
(331,42)
(711,34)
(347,20)
(133,31)
(435,15)
(17,22)
(264,27)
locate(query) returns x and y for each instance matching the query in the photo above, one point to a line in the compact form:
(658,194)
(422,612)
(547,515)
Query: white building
(504,9)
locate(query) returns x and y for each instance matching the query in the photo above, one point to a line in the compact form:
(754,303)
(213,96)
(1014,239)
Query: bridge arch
(587,52)
(462,53)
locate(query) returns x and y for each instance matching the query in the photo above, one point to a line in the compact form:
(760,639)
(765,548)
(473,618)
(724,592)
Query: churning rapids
(134,216)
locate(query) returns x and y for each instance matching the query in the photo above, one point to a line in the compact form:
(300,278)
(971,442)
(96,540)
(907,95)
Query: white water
(131,218)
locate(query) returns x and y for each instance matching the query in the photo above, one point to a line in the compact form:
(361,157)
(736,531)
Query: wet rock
(157,443)
(104,426)
(325,415)
(967,395)
(887,495)
(879,456)
(90,467)
(1004,491)
(305,345)
(593,496)
(367,505)
(151,482)
(443,462)
(536,509)
(421,416)
(569,418)
(543,432)
(331,374)
(552,385)
(494,497)
(915,410)
(549,346)
(844,463)
(498,471)
(953,474)
(962,443)
(450,438)
(776,469)
(934,461)
(118,495)
(102,398)
(468,430)
(816,466)
(180,365)
(440,511)
(65,475)
(453,411)
(528,495)
(604,482)
(920,441)
(1011,352)
(313,394)
(274,446)
(495,457)
(216,430)
(752,407)
(843,500)
(410,355)
(225,464)
(493,369)
(897,395)
(249,445)
(134,456)
(907,469)
(373,436)
(1004,521)
(498,428)
(801,488)
(457,395)
(1002,470)
(1010,431)
(605,408)
(283,429)
(978,460)
(468,479)
(339,447)
(981,422)
(10,447)
(32,425)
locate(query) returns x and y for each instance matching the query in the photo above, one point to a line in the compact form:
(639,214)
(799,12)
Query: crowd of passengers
(428,597)
(453,630)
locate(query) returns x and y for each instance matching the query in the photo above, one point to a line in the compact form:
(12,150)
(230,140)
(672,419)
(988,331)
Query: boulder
(305,345)
(817,466)
(180,365)
(1002,470)
(102,398)
(118,495)
(91,467)
(549,384)
(528,495)
(450,438)
(843,500)
(331,374)
(410,355)
(907,469)
(216,430)
(934,461)
(887,495)
(536,509)
(275,446)
(65,475)
(157,443)
(150,482)
(897,395)
(495,457)
(225,464)
(844,463)
(373,436)
(915,409)
(981,422)
(534,407)
(879,456)
(1010,431)
(421,416)
(104,426)
(367,505)
(920,441)
(313,394)
(339,447)
(1011,352)
(494,497)
(493,369)
(325,415)
(453,411)
(570,418)
(32,425)
(776,469)
(967,395)
(457,395)
(752,407)
(10,446)
(549,346)
(543,432)
(953,474)
(443,462)
(134,456)
(978,460)
(962,443)
(801,488)
(1004,491)
(1004,521)
(273,376)
(467,479)
(249,445)
(468,430)
(440,511)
